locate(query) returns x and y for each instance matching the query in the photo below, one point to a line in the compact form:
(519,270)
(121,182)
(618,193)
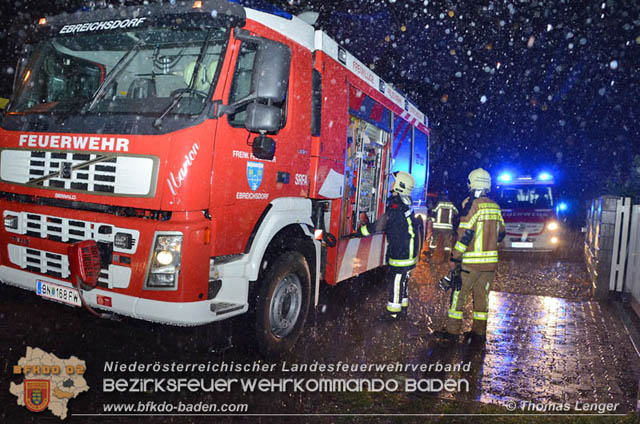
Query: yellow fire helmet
(404,183)
(479,179)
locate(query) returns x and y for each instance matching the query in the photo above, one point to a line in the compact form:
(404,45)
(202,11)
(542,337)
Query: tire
(282,304)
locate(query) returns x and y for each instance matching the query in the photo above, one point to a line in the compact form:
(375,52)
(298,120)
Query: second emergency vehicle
(529,212)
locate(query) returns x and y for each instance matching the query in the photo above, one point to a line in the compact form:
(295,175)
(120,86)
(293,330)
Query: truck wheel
(283,303)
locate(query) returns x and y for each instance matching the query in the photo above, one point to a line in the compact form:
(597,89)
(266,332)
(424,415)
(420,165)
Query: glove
(445,282)
(451,280)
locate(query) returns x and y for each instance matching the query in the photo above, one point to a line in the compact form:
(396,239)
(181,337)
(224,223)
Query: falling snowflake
(531,41)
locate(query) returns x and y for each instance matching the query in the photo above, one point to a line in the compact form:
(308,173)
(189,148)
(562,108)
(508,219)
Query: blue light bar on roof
(263,6)
(545,176)
(505,177)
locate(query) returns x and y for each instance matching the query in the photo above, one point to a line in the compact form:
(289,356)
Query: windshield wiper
(174,101)
(119,66)
(191,88)
(85,164)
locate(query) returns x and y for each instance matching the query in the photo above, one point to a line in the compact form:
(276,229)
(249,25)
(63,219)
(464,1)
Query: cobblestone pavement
(542,275)
(546,350)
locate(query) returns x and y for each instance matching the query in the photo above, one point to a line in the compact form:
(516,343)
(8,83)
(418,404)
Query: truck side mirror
(270,76)
(269,82)
(263,147)
(263,118)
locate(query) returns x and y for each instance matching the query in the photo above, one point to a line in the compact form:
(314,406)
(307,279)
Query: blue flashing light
(562,206)
(263,6)
(545,176)
(505,177)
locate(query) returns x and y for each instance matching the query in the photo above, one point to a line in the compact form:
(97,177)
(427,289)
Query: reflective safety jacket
(479,232)
(444,213)
(399,224)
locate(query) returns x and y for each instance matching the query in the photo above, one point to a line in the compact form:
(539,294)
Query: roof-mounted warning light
(545,176)
(505,177)
(264,6)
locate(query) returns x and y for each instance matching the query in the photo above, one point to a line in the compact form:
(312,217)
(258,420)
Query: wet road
(549,345)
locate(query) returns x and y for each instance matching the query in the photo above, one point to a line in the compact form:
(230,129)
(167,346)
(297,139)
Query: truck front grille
(524,227)
(80,172)
(67,230)
(57,265)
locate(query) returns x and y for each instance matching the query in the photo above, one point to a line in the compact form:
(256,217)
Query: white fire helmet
(479,179)
(404,183)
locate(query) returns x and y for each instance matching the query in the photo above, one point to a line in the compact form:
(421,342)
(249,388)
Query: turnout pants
(397,284)
(477,283)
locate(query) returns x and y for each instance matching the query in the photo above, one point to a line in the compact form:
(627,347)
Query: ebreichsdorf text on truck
(182,163)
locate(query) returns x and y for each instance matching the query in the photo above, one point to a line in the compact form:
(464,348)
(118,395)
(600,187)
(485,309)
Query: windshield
(529,197)
(138,71)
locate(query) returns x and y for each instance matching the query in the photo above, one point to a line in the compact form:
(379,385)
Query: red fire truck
(182,163)
(529,211)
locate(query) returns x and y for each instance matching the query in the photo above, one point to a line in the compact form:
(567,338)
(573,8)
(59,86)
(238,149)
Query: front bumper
(174,313)
(540,243)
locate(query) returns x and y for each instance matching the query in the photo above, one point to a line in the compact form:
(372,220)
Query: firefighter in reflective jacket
(476,254)
(398,223)
(443,215)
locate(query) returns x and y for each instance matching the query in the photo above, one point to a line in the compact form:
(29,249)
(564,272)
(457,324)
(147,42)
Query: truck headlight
(552,226)
(164,264)
(164,257)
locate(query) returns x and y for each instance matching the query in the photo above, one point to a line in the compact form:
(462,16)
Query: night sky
(525,85)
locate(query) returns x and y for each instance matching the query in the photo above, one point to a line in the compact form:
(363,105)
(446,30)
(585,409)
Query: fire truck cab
(194,160)
(529,212)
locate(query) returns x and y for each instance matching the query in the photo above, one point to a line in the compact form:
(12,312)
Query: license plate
(524,244)
(59,293)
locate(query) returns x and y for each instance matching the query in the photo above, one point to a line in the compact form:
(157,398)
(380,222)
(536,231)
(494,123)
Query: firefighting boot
(388,317)
(404,312)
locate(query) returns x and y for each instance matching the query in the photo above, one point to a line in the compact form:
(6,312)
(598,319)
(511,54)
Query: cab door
(243,185)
